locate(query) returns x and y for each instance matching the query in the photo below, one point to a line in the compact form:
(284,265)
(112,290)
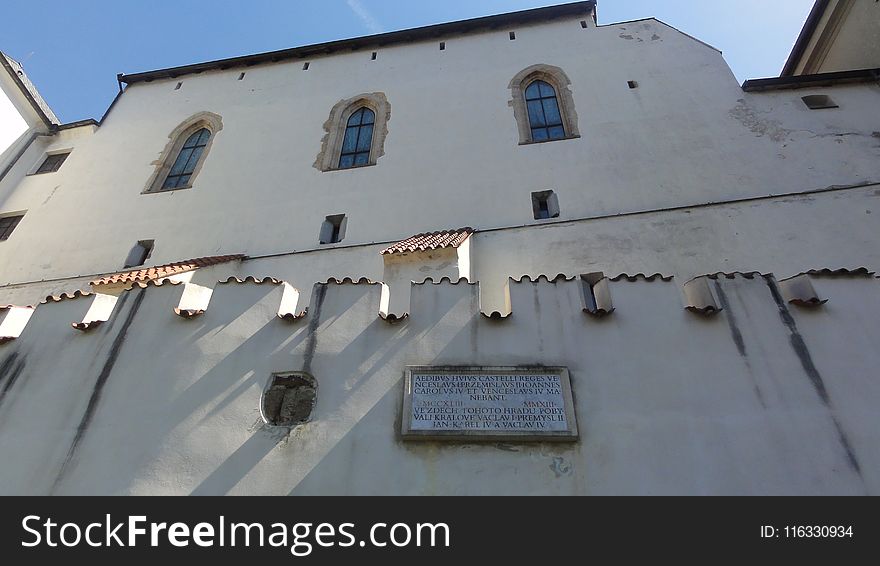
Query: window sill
(163,191)
(549,141)
(356,167)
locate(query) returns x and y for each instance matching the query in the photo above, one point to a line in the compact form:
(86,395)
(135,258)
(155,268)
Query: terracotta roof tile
(430,241)
(167,270)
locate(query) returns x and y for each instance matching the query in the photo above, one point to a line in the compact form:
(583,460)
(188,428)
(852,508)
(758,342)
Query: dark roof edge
(805,81)
(47,120)
(77,124)
(800,46)
(408,35)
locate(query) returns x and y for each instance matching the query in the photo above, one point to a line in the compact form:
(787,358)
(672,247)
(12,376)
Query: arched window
(184,155)
(545,120)
(358,139)
(187,159)
(354,133)
(543,105)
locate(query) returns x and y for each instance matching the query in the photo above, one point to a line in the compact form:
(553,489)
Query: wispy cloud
(366,17)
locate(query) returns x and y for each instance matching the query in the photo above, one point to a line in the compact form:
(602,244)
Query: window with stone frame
(354,133)
(185,153)
(543,105)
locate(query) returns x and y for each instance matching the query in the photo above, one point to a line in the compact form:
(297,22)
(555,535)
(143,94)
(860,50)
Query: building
(23,113)
(241,270)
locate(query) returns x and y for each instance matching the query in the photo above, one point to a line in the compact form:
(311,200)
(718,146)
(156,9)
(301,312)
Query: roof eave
(811,81)
(800,46)
(47,121)
(403,36)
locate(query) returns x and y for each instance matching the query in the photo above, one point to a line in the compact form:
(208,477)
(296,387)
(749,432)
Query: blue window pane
(539,134)
(358,139)
(181,171)
(533,91)
(536,113)
(180,163)
(556,132)
(365,139)
(349,143)
(193,140)
(551,112)
(204,136)
(194,159)
(546,90)
(355,119)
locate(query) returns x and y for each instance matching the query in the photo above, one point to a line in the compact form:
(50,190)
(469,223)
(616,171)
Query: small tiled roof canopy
(430,241)
(167,270)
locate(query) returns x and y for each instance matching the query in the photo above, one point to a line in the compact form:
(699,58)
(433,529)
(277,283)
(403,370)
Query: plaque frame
(470,435)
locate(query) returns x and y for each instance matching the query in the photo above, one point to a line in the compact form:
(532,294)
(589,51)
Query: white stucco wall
(687,136)
(764,398)
(685,175)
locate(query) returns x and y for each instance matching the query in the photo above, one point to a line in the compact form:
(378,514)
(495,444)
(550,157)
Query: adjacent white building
(504,195)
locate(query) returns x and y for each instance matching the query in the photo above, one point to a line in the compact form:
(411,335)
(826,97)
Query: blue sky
(72,49)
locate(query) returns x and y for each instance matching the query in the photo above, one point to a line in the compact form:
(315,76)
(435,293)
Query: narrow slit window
(442,46)
(187,159)
(139,253)
(512,35)
(545,119)
(7,225)
(333,229)
(545,205)
(306,66)
(52,163)
(358,139)
(819,102)
(584,24)
(241,76)
(373,56)
(178,86)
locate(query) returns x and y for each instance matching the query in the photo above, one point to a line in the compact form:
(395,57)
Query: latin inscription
(491,402)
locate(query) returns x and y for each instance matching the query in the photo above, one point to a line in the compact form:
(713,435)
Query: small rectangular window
(819,101)
(52,163)
(373,57)
(8,224)
(139,253)
(584,24)
(512,35)
(306,66)
(545,205)
(442,46)
(241,76)
(333,229)
(632,84)
(178,86)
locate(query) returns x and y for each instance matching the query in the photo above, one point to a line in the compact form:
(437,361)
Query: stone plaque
(488,402)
